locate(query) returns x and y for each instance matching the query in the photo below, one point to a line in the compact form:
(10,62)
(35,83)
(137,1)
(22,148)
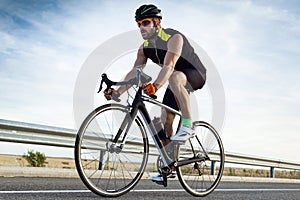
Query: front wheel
(111,169)
(202,177)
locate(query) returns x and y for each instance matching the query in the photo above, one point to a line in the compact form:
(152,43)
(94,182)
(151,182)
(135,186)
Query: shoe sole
(161,181)
(158,182)
(182,141)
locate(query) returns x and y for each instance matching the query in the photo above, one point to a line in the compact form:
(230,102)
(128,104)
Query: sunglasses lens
(144,23)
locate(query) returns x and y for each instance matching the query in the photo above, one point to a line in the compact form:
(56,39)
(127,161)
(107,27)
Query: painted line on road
(258,190)
(43,191)
(221,190)
(150,190)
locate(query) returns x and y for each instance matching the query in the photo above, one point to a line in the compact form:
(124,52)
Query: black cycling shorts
(195,81)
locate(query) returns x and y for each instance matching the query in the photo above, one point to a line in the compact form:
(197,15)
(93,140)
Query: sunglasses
(144,22)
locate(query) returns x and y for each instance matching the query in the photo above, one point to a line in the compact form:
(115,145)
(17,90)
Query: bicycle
(112,147)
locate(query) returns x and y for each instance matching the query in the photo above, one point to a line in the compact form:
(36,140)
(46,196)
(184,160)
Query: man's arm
(174,51)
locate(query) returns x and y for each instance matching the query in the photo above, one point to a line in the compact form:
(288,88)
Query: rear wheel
(201,178)
(106,168)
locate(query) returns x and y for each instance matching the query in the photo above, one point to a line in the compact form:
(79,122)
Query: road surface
(73,188)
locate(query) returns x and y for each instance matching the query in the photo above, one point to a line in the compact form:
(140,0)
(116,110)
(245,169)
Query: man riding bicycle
(180,66)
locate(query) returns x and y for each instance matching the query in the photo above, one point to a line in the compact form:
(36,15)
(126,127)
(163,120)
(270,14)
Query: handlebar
(139,80)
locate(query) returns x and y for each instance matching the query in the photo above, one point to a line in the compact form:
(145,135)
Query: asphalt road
(67,188)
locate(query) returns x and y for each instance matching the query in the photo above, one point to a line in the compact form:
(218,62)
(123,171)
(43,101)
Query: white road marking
(150,190)
(43,191)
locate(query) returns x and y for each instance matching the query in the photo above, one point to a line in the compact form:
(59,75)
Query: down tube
(166,159)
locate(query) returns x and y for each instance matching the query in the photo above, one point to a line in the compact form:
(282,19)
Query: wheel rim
(106,169)
(197,178)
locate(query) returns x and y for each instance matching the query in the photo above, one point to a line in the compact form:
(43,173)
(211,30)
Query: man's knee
(177,78)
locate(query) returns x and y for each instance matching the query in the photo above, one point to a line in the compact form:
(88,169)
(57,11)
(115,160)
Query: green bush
(35,159)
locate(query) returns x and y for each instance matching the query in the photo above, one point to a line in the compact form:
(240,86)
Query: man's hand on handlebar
(111,94)
(149,89)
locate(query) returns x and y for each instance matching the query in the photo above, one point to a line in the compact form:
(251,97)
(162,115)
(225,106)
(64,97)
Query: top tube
(158,103)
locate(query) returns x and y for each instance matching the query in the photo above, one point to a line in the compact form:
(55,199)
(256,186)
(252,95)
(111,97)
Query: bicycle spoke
(197,178)
(106,168)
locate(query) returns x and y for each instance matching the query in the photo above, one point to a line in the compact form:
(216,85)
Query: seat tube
(161,149)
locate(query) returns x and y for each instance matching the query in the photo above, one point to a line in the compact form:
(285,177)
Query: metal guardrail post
(272,172)
(101,163)
(212,168)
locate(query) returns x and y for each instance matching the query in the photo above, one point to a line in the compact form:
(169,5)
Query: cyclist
(179,65)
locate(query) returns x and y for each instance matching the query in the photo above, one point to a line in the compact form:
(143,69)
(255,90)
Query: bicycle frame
(138,105)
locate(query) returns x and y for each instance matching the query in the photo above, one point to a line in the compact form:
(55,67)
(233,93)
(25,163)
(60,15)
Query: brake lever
(104,79)
(108,83)
(100,88)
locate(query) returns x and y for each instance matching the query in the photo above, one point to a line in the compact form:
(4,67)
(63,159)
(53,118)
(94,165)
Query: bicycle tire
(103,170)
(197,178)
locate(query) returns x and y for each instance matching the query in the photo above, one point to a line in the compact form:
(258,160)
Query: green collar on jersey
(161,34)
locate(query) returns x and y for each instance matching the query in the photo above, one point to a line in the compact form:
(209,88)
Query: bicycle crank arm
(189,161)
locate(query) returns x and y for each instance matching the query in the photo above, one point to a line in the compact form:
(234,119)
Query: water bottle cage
(162,135)
(160,130)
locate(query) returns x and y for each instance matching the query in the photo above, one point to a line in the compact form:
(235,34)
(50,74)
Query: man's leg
(177,83)
(167,118)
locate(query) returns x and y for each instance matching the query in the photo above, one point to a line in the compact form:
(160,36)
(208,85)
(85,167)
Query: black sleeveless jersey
(157,52)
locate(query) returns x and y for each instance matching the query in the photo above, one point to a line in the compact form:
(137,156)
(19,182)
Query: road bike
(112,147)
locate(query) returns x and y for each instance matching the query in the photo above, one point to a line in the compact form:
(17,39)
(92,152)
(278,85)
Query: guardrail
(19,132)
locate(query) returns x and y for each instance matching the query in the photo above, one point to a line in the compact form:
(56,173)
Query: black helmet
(146,11)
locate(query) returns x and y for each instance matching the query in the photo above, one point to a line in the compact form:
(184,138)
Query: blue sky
(254,45)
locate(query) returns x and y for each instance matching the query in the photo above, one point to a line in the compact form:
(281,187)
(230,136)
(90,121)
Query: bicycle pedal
(172,176)
(158,182)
